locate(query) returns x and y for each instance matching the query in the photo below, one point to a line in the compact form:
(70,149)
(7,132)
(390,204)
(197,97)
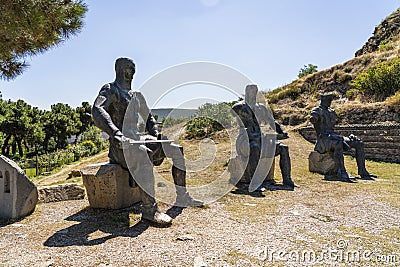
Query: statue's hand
(282,136)
(120,139)
(161,137)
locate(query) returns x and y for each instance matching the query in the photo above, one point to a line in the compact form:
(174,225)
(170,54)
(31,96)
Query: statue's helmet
(328,97)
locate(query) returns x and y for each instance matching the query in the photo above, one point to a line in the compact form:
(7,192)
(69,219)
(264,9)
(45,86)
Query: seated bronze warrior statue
(323,118)
(114,102)
(250,115)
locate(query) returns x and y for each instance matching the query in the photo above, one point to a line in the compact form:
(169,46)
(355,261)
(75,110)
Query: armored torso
(326,119)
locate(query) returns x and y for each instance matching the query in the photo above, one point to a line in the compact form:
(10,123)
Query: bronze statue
(250,115)
(109,109)
(324,118)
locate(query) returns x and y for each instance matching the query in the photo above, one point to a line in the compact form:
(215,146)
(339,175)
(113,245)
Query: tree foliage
(30,27)
(24,128)
(60,123)
(307,69)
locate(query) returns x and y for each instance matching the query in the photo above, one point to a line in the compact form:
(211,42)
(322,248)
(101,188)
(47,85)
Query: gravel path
(70,234)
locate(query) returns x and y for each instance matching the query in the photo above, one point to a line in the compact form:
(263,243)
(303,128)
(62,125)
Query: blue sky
(269,41)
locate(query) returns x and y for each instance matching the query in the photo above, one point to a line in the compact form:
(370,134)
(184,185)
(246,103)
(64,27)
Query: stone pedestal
(18,195)
(107,186)
(322,163)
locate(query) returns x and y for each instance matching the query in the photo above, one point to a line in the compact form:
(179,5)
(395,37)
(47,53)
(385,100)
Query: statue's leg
(183,198)
(338,158)
(143,170)
(254,158)
(284,164)
(360,157)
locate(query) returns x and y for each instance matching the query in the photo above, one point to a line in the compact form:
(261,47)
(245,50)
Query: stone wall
(382,142)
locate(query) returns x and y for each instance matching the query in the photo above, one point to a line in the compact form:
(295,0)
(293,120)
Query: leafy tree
(307,69)
(85,117)
(35,135)
(59,124)
(15,125)
(30,27)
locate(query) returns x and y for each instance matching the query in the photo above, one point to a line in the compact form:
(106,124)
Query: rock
(60,192)
(74,173)
(322,163)
(107,186)
(18,195)
(199,262)
(185,238)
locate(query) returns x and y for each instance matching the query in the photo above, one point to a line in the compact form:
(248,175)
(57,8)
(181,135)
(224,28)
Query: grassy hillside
(293,102)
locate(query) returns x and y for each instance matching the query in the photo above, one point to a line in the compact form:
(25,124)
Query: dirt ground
(321,223)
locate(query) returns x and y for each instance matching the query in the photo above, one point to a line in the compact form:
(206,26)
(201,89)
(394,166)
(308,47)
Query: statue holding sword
(117,100)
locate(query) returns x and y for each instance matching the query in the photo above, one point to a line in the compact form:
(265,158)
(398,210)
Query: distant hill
(293,102)
(173,113)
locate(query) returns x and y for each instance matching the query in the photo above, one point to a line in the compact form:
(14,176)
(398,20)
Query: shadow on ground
(96,226)
(242,189)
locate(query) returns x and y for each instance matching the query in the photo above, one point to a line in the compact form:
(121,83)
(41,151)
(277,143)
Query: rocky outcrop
(385,32)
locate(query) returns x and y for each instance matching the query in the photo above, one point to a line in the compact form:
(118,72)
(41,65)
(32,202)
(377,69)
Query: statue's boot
(151,212)
(338,158)
(360,158)
(285,166)
(183,199)
(342,175)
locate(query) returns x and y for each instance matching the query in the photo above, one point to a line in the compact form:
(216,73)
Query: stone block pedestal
(322,163)
(107,186)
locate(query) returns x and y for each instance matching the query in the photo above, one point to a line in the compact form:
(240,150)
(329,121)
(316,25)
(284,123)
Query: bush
(352,93)
(94,135)
(380,81)
(90,146)
(290,91)
(202,127)
(208,119)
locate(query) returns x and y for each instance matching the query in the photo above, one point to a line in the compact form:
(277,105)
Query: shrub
(94,135)
(202,127)
(208,119)
(90,146)
(352,93)
(380,81)
(290,91)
